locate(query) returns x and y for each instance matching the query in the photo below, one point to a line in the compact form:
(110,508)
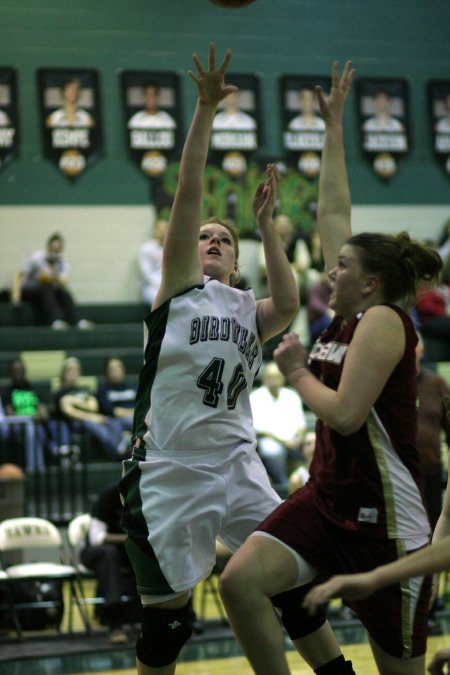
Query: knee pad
(296,620)
(163,633)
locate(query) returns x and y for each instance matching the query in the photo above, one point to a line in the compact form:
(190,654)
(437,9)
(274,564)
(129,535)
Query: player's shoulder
(382,322)
(387,312)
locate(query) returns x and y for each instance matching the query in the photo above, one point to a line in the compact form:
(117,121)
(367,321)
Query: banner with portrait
(9,137)
(439,106)
(71,120)
(236,130)
(383,122)
(152,110)
(303,128)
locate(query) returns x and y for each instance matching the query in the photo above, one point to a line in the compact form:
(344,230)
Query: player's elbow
(290,305)
(347,423)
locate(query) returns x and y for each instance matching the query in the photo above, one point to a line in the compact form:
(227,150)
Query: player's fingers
(335,74)
(212,57)
(198,64)
(193,76)
(347,74)
(226,60)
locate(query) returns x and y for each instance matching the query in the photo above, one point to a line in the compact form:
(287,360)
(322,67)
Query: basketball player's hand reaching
(265,197)
(347,586)
(332,106)
(210,83)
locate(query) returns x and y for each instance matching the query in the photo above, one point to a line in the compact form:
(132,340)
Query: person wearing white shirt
(4,119)
(443,124)
(279,422)
(70,115)
(151,117)
(231,117)
(382,120)
(308,120)
(150,261)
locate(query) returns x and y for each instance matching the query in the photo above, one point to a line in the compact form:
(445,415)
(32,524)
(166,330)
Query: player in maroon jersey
(362,506)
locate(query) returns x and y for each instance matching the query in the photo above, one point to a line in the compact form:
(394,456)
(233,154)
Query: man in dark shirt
(104,553)
(116,398)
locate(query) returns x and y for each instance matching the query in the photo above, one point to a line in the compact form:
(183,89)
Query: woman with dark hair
(362,505)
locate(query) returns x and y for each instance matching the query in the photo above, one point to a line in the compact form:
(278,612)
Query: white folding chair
(26,534)
(77,532)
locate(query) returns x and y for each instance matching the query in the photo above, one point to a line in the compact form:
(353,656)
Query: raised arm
(334,206)
(181,263)
(276,312)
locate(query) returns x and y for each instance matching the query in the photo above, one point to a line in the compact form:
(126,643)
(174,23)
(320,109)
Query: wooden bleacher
(117,332)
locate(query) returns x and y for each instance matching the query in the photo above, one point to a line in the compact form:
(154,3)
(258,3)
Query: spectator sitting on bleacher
(318,311)
(443,243)
(4,433)
(104,553)
(297,253)
(279,422)
(42,281)
(433,307)
(300,476)
(150,261)
(116,398)
(26,418)
(76,411)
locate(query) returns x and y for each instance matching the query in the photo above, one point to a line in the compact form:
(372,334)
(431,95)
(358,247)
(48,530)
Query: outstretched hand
(210,83)
(266,195)
(332,106)
(349,587)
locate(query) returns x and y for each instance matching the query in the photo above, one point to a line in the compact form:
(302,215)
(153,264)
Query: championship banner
(439,105)
(384,122)
(9,140)
(71,121)
(153,118)
(303,128)
(236,129)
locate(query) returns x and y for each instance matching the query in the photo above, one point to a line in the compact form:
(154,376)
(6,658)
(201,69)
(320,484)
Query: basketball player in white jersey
(195,475)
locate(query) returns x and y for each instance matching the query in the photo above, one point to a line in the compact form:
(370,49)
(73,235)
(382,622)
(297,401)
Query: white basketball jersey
(201,358)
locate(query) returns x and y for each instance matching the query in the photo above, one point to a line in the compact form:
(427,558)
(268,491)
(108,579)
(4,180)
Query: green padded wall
(401,38)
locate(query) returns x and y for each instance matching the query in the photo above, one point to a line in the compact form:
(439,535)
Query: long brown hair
(401,263)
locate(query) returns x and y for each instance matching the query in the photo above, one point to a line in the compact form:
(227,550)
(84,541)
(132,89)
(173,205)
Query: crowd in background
(37,432)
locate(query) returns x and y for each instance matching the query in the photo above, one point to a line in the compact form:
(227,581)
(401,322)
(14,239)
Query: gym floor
(213,651)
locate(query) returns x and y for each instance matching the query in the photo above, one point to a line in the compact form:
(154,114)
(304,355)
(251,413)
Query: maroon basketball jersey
(369,481)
